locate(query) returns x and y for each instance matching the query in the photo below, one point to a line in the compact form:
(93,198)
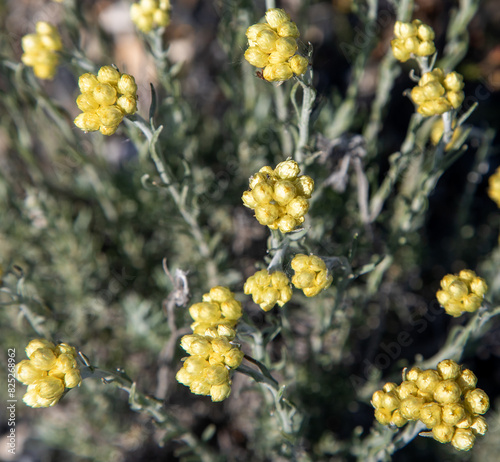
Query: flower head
(311,274)
(150,14)
(461,292)
(49,370)
(279,197)
(267,289)
(273,45)
(105,99)
(40,50)
(412,39)
(444,399)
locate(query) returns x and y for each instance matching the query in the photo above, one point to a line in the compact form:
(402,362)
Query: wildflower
(40,50)
(212,355)
(444,399)
(268,289)
(273,46)
(494,187)
(412,39)
(150,14)
(48,372)
(105,99)
(311,274)
(461,292)
(279,197)
(436,93)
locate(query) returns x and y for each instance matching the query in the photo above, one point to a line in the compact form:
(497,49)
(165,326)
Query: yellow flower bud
(287,170)
(430,414)
(305,186)
(276,16)
(411,44)
(478,286)
(220,392)
(266,214)
(87,121)
(425,49)
(410,408)
(448,369)
(404,29)
(266,40)
(127,104)
(196,345)
(200,387)
(248,200)
(383,416)
(466,421)
(467,380)
(286,46)
(407,389)
(216,359)
(303,279)
(283,192)
(413,374)
(277,72)
(221,345)
(256,57)
(37,344)
(127,86)
(108,75)
(108,129)
(390,401)
(428,380)
(86,102)
(184,377)
(434,107)
(47,390)
(477,401)
(254,30)
(443,432)
(216,375)
(288,29)
(453,82)
(104,94)
(195,365)
(471,303)
(463,439)
(447,392)
(377,398)
(161,18)
(455,99)
(297,207)
(43,359)
(452,413)
(399,50)
(109,116)
(231,310)
(87,82)
(27,373)
(298,64)
(72,378)
(263,193)
(425,33)
(479,425)
(205,312)
(233,357)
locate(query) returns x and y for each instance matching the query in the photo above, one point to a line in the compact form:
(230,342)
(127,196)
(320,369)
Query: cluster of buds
(40,50)
(272,46)
(106,98)
(412,39)
(461,292)
(445,400)
(150,14)
(279,197)
(436,93)
(49,370)
(268,289)
(212,356)
(212,352)
(219,307)
(494,187)
(311,274)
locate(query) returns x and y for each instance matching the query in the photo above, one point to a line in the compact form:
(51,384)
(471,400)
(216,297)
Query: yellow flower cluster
(272,46)
(218,307)
(106,98)
(48,371)
(150,14)
(268,289)
(494,187)
(311,274)
(461,292)
(212,353)
(212,356)
(40,50)
(280,196)
(412,38)
(436,93)
(445,400)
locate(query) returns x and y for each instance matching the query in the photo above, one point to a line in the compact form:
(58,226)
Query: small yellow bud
(45,392)
(253,31)
(86,102)
(87,82)
(455,99)
(467,380)
(126,85)
(477,401)
(266,40)
(463,439)
(447,392)
(478,286)
(425,49)
(479,425)
(231,310)
(276,16)
(267,214)
(200,387)
(87,121)
(410,408)
(454,82)
(72,378)
(407,389)
(287,170)
(452,413)
(383,416)
(288,29)
(397,419)
(43,359)
(377,398)
(277,72)
(216,375)
(27,373)
(286,46)
(425,33)
(443,432)
(108,75)
(127,104)
(109,116)
(430,414)
(233,357)
(298,64)
(428,380)
(263,193)
(220,392)
(256,57)
(37,344)
(404,29)
(297,207)
(448,369)
(205,312)
(104,94)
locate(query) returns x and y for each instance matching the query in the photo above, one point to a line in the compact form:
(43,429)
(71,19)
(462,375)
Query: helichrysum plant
(438,93)
(463,292)
(444,399)
(211,348)
(311,274)
(494,187)
(48,372)
(412,39)
(148,15)
(267,290)
(40,50)
(105,99)
(272,46)
(279,197)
